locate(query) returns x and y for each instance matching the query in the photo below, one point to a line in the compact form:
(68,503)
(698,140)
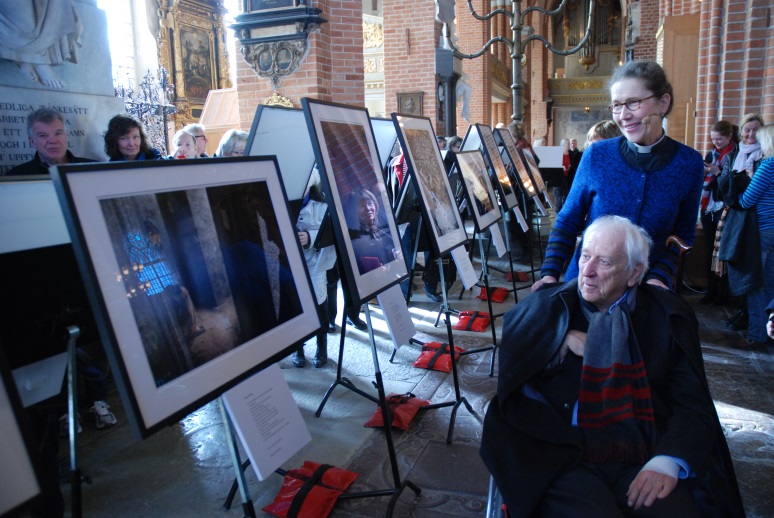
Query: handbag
(403,408)
(472,321)
(495,294)
(310,491)
(436,356)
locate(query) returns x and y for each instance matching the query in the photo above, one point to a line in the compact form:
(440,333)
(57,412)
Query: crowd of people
(613,325)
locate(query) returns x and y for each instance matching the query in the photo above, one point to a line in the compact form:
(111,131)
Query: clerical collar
(646,149)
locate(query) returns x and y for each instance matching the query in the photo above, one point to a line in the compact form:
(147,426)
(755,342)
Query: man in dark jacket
(602,405)
(48,137)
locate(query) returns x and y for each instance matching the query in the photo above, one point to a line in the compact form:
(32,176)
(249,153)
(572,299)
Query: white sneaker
(64,425)
(102,416)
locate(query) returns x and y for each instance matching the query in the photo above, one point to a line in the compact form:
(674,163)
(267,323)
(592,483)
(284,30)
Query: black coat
(526,444)
(740,241)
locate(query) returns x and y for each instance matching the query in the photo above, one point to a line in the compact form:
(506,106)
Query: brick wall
(333,70)
(410,38)
(736,60)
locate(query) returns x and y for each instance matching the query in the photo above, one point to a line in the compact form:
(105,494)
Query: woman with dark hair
(724,137)
(644,176)
(125,140)
(372,245)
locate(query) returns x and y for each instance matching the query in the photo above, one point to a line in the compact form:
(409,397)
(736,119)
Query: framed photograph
(534,170)
(17,471)
(282,132)
(439,209)
(478,189)
(489,147)
(520,168)
(367,238)
(194,272)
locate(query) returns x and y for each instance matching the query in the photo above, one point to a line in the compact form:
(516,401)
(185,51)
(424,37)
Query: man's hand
(647,487)
(656,282)
(574,341)
(303,238)
(545,280)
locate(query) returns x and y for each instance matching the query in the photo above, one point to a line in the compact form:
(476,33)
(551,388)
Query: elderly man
(46,131)
(602,405)
(197,130)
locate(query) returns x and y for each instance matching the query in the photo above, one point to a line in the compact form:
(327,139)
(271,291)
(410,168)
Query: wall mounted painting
(367,238)
(522,173)
(507,194)
(478,188)
(194,272)
(438,205)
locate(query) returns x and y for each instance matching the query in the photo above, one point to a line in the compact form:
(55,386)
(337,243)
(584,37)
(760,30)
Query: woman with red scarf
(724,137)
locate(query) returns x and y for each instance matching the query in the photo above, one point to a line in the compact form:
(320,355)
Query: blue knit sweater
(760,194)
(663,201)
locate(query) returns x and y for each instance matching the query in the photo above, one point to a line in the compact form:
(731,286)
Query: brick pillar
(708,72)
(411,35)
(645,47)
(473,35)
(332,71)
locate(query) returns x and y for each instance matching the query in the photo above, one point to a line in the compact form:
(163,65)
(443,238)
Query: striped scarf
(717,159)
(614,406)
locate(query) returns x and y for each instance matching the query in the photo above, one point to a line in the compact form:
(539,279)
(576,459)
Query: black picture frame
(350,168)
(478,189)
(428,174)
(482,135)
(520,171)
(18,471)
(162,246)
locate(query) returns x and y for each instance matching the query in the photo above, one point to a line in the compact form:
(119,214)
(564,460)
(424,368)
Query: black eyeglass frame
(638,102)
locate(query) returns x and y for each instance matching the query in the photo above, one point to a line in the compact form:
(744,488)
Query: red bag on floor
(403,408)
(472,321)
(310,491)
(435,356)
(495,294)
(520,276)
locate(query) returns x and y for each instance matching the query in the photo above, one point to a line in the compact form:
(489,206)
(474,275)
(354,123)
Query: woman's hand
(545,280)
(712,168)
(656,282)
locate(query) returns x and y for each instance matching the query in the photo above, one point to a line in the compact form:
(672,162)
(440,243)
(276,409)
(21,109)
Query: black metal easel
(458,397)
(76,477)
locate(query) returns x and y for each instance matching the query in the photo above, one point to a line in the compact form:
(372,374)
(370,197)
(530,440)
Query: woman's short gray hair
(637,242)
(229,141)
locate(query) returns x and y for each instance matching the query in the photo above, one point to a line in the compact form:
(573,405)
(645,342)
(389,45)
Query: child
(184,145)
(308,225)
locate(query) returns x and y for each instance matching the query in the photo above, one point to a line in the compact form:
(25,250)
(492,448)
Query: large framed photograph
(282,132)
(367,238)
(194,272)
(17,471)
(478,189)
(439,209)
(520,168)
(531,163)
(489,147)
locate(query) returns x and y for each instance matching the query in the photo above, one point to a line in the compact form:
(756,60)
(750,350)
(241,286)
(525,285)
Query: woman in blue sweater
(644,176)
(760,195)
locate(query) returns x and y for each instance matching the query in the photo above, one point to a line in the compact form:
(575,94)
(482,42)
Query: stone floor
(185,469)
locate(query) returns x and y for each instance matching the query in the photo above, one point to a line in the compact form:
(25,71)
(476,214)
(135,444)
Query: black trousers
(599,491)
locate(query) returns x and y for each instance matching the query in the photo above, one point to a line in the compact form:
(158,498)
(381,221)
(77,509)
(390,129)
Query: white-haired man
(198,131)
(602,405)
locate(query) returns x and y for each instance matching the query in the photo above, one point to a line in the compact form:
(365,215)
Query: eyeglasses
(205,138)
(631,104)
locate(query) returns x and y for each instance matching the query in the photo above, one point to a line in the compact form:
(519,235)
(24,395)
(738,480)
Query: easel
(76,477)
(458,398)
(398,484)
(247,504)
